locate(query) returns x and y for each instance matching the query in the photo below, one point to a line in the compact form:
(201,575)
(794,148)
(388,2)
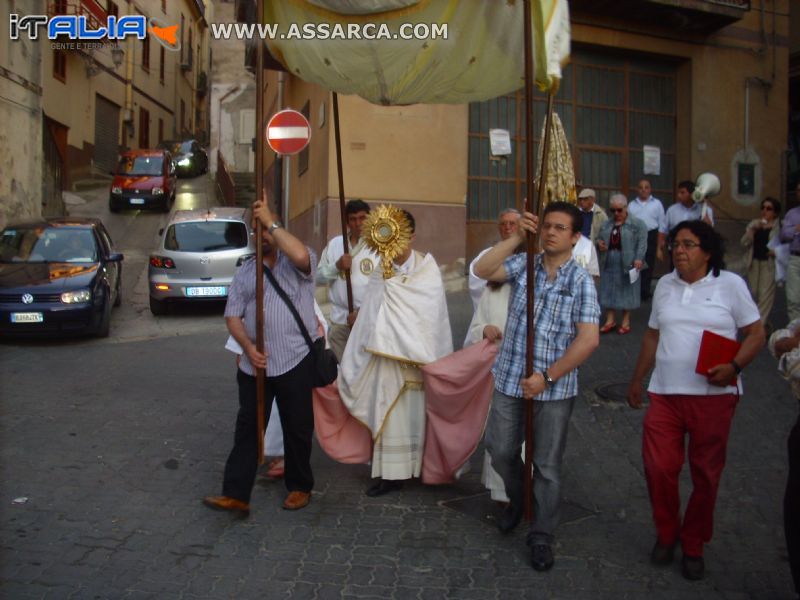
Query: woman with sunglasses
(697,295)
(760,259)
(623,243)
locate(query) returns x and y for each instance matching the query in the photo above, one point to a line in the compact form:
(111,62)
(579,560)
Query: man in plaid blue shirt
(566,317)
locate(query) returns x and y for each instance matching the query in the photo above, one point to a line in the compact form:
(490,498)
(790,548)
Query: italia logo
(74,27)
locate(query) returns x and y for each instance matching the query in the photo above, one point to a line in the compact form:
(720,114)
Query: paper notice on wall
(652,160)
(500,141)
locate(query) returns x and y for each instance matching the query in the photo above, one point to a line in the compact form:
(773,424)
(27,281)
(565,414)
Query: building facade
(654,88)
(21,126)
(91,101)
(153,94)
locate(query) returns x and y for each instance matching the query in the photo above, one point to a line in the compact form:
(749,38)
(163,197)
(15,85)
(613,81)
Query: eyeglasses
(556,226)
(616,210)
(767,207)
(685,244)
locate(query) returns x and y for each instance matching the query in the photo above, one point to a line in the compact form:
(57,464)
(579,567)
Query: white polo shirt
(681,312)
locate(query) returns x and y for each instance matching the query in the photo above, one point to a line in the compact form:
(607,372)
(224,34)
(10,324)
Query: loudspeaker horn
(706,186)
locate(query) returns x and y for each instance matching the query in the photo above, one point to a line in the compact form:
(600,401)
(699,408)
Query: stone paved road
(114,444)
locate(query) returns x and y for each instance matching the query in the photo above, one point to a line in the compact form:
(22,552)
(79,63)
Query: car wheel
(118,297)
(104,326)
(158,307)
(165,207)
(112,207)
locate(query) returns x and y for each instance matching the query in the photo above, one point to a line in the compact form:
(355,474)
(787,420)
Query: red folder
(715,350)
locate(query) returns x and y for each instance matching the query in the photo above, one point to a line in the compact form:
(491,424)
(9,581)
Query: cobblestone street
(103,476)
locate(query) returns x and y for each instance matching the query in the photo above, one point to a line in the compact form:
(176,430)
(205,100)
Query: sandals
(623,330)
(607,328)
(276,468)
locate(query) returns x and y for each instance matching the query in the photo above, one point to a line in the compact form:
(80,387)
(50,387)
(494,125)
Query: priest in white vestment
(402,324)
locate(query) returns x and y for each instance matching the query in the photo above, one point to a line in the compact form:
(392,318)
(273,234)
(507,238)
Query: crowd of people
(388,328)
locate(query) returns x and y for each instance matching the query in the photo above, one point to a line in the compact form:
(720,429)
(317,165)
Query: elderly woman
(623,243)
(760,259)
(696,296)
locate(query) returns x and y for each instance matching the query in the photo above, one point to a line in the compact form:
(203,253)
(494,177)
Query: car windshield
(177,147)
(206,236)
(47,244)
(141,165)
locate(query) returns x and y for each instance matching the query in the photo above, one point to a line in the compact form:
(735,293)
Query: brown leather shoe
(227,503)
(297,500)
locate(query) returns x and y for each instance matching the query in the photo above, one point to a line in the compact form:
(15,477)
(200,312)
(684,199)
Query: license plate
(137,200)
(31,317)
(207,291)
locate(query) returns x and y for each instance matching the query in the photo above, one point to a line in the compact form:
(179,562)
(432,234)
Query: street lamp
(117,55)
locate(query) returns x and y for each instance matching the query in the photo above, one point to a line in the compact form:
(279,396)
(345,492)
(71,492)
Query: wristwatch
(548,381)
(275,225)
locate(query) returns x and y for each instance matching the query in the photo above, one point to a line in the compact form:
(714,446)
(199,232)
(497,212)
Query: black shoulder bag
(325,364)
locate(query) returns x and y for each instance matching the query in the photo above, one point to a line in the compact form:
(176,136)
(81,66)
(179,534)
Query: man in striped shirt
(286,358)
(566,317)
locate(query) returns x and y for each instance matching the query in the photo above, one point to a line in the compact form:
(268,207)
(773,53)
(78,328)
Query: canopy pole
(338,139)
(259,159)
(534,205)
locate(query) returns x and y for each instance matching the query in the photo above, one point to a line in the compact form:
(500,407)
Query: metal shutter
(106,134)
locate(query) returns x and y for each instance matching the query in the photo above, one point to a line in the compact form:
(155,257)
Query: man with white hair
(507,224)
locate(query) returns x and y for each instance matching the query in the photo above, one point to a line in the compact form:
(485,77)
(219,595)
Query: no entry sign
(288,132)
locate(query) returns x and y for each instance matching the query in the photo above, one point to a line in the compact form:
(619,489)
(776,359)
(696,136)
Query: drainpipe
(128,125)
(281,191)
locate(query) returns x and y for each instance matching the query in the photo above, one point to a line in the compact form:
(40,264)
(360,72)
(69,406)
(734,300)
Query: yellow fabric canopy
(482,56)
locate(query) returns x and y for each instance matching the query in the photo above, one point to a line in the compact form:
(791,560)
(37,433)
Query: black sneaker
(542,557)
(510,518)
(662,555)
(693,567)
(383,486)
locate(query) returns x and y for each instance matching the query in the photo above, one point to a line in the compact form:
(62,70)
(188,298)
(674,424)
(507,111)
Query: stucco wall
(712,73)
(20,123)
(412,153)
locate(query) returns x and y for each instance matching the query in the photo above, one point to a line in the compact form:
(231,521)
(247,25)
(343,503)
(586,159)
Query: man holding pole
(360,261)
(286,359)
(566,317)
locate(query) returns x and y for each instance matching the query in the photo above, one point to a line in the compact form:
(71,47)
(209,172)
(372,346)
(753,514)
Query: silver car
(198,255)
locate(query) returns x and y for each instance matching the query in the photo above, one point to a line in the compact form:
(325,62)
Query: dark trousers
(791,505)
(650,259)
(292,392)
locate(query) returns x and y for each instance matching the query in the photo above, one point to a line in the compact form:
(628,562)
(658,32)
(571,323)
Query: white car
(198,255)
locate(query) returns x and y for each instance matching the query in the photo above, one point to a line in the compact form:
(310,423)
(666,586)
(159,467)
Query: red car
(143,179)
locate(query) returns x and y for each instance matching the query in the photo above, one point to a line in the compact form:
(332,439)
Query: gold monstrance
(387,232)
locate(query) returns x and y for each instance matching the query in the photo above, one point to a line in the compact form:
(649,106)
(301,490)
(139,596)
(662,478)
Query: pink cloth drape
(341,437)
(458,393)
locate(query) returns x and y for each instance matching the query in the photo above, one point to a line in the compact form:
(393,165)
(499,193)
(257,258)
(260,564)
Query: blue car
(58,275)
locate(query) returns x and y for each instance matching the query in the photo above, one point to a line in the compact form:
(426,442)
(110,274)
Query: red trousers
(707,420)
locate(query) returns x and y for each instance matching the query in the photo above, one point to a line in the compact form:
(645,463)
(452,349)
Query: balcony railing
(96,16)
(743,4)
(677,16)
